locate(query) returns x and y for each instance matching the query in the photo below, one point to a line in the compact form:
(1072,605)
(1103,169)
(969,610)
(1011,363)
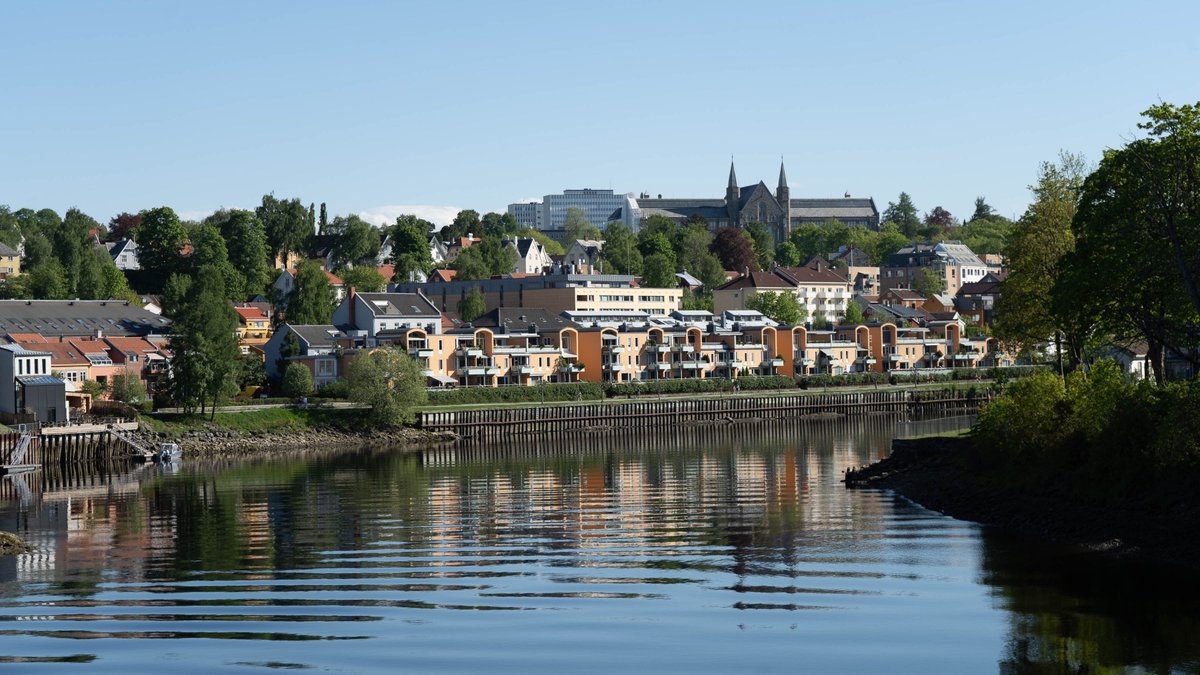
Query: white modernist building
(598,205)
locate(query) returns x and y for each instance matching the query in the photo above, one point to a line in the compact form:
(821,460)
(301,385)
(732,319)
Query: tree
(710,272)
(939,218)
(388,381)
(410,247)
(72,244)
(986,235)
(620,250)
(498,225)
(982,210)
(734,249)
(782,307)
(904,214)
(764,244)
(285,222)
(364,279)
(324,220)
(311,299)
(208,249)
(297,380)
(160,238)
(127,387)
(465,223)
(205,361)
(854,315)
(472,306)
(1039,242)
(246,242)
(577,226)
(787,255)
(10,227)
(122,226)
(48,281)
(472,265)
(354,240)
(1139,222)
(890,240)
(659,272)
(928,282)
(552,246)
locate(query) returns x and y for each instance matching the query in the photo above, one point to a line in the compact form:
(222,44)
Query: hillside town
(586,287)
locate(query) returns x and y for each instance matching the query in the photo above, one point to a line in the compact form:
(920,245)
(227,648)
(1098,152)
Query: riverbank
(276,431)
(949,475)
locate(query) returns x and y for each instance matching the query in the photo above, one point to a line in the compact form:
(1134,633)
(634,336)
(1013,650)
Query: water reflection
(706,549)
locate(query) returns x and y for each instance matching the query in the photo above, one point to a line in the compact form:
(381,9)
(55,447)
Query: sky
(391,107)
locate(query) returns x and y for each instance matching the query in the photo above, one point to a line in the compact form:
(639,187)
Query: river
(715,549)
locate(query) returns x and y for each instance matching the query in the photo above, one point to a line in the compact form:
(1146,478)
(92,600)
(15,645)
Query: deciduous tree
(160,238)
(311,299)
(734,249)
(782,307)
(389,382)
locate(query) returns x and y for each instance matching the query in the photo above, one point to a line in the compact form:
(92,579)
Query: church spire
(782,175)
(732,176)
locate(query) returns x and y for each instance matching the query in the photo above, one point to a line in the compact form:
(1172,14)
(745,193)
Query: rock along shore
(943,474)
(220,443)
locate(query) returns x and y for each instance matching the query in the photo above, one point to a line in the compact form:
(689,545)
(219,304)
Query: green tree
(1037,246)
(10,227)
(782,307)
(472,265)
(904,214)
(208,249)
(285,223)
(465,223)
(710,272)
(787,255)
(127,387)
(928,282)
(659,272)
(552,246)
(246,242)
(388,381)
(311,299)
(354,240)
(982,210)
(160,238)
(72,244)
(48,281)
(620,252)
(498,225)
(410,247)
(205,361)
(890,240)
(764,244)
(363,279)
(472,305)
(854,315)
(986,235)
(577,226)
(297,380)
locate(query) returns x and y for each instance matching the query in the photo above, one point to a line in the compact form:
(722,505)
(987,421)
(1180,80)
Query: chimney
(352,298)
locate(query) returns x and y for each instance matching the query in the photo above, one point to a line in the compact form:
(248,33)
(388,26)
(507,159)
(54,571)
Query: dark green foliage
(286,224)
(363,279)
(297,381)
(566,391)
(658,271)
(410,247)
(246,247)
(311,299)
(764,244)
(388,381)
(734,249)
(904,214)
(205,364)
(621,253)
(160,238)
(354,241)
(472,306)
(696,386)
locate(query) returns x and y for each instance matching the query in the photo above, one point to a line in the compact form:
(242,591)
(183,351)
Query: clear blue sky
(122,106)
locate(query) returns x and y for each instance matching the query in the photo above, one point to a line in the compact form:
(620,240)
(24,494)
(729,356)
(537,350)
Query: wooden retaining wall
(497,423)
(63,445)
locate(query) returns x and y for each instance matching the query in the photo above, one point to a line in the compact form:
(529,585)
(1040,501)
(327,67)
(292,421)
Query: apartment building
(823,292)
(953,261)
(557,292)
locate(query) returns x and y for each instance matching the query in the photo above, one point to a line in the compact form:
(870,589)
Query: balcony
(691,365)
(685,348)
(471,352)
(614,367)
(614,348)
(478,371)
(570,368)
(895,358)
(658,348)
(660,365)
(420,352)
(525,370)
(776,362)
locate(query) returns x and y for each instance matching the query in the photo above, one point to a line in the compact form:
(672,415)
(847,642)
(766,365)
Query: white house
(316,346)
(584,254)
(385,315)
(124,254)
(531,255)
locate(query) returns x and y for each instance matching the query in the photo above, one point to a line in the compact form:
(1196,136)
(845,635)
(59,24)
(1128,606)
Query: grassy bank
(274,420)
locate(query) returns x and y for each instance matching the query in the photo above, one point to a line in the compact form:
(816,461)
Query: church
(746,204)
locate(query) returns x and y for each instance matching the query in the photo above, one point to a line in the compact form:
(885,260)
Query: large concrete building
(56,319)
(598,205)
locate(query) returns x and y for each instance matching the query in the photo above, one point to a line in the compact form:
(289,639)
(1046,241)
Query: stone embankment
(215,442)
(11,544)
(945,474)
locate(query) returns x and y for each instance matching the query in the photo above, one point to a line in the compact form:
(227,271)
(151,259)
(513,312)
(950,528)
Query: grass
(275,420)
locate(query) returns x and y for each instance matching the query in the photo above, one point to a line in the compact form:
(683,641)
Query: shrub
(297,381)
(565,391)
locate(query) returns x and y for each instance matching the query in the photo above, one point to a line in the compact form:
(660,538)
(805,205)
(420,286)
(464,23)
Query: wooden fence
(497,423)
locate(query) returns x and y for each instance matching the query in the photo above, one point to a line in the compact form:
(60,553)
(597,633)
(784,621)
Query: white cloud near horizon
(386,215)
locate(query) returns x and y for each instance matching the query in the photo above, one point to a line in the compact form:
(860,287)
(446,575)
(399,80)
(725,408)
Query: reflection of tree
(1080,613)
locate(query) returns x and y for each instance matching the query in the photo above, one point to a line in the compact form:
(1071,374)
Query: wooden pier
(48,446)
(498,423)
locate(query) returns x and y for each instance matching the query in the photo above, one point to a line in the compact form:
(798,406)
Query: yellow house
(10,262)
(254,327)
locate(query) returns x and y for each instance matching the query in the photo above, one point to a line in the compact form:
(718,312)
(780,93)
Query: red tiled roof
(442,274)
(250,313)
(61,353)
(388,271)
(26,337)
(810,275)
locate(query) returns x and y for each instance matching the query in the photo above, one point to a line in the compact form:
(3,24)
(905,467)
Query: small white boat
(169,452)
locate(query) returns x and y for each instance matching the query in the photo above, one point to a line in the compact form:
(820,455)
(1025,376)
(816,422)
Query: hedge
(567,391)
(696,386)
(918,376)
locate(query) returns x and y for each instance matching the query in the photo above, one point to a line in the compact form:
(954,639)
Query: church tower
(732,196)
(783,195)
